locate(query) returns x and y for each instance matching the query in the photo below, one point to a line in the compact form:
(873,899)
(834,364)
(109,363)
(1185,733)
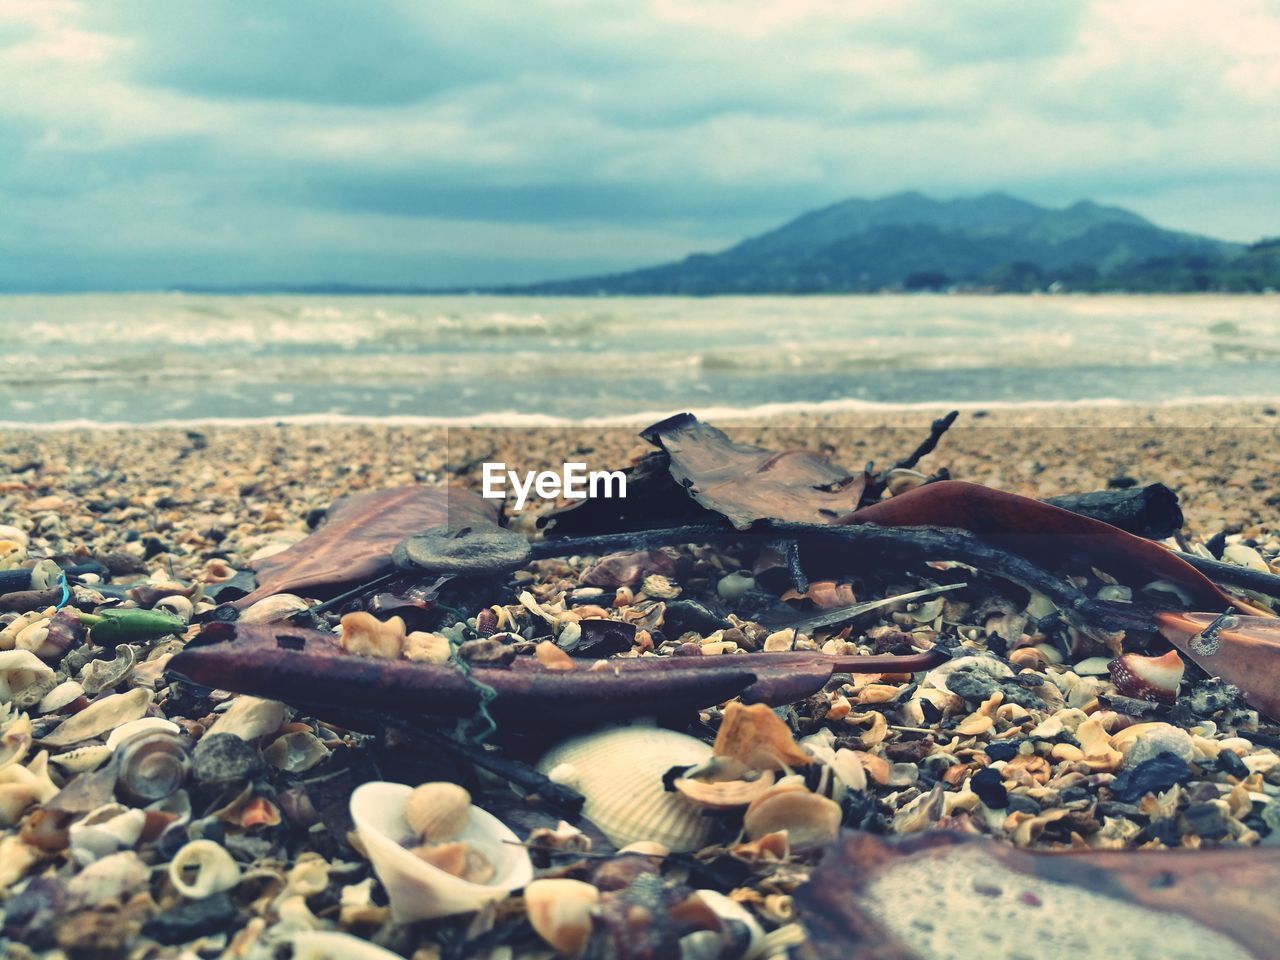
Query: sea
(172,358)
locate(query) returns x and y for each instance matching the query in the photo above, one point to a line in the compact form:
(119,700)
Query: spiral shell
(620,772)
(152,766)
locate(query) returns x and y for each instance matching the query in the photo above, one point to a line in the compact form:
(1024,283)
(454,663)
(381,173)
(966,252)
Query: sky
(148,143)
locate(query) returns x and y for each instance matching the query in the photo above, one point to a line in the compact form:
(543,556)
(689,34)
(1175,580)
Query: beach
(1069,754)
(261,483)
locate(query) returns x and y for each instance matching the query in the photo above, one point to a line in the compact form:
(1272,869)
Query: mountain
(910,241)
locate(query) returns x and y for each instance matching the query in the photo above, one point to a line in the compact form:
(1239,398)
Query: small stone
(196,918)
(1151,776)
(474,550)
(1207,820)
(223,759)
(989,786)
(1229,762)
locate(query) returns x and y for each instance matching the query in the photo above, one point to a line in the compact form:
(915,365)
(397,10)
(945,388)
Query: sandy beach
(253,485)
(1018,733)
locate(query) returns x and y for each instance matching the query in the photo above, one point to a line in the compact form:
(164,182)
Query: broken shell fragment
(365,635)
(559,910)
(417,890)
(15,741)
(104,831)
(459,859)
(135,727)
(1148,678)
(249,718)
(100,716)
(296,752)
(22,675)
(82,759)
(326,945)
(723,784)
(63,695)
(438,811)
(203,868)
(755,736)
(808,819)
(620,772)
(273,609)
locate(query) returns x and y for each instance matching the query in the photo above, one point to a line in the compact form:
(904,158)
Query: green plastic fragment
(112,627)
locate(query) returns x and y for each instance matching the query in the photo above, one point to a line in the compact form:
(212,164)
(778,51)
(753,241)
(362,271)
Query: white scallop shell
(620,771)
(417,890)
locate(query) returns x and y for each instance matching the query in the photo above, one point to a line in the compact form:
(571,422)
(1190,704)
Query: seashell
(273,609)
(416,889)
(325,945)
(180,606)
(269,550)
(249,718)
(1148,678)
(365,635)
(60,696)
(937,677)
(848,767)
(110,878)
(1245,556)
(296,752)
(825,595)
(780,640)
(645,848)
(900,479)
(99,675)
(457,859)
(428,647)
(15,741)
(1142,741)
(559,911)
(808,818)
(749,941)
(14,535)
(1091,667)
(22,676)
(758,738)
(620,774)
(45,574)
(100,716)
(734,587)
(213,870)
(152,765)
(659,587)
(438,811)
(105,831)
(723,784)
(82,759)
(145,725)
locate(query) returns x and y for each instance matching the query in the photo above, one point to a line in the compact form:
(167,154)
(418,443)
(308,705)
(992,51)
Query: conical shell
(417,890)
(620,771)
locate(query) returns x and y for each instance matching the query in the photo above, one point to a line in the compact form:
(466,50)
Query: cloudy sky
(150,142)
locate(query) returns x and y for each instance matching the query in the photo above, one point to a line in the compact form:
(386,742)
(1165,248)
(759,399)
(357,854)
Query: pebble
(1150,776)
(223,759)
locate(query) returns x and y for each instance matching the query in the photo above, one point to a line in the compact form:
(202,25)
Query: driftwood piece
(1151,511)
(745,484)
(306,667)
(1045,533)
(360,532)
(1224,892)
